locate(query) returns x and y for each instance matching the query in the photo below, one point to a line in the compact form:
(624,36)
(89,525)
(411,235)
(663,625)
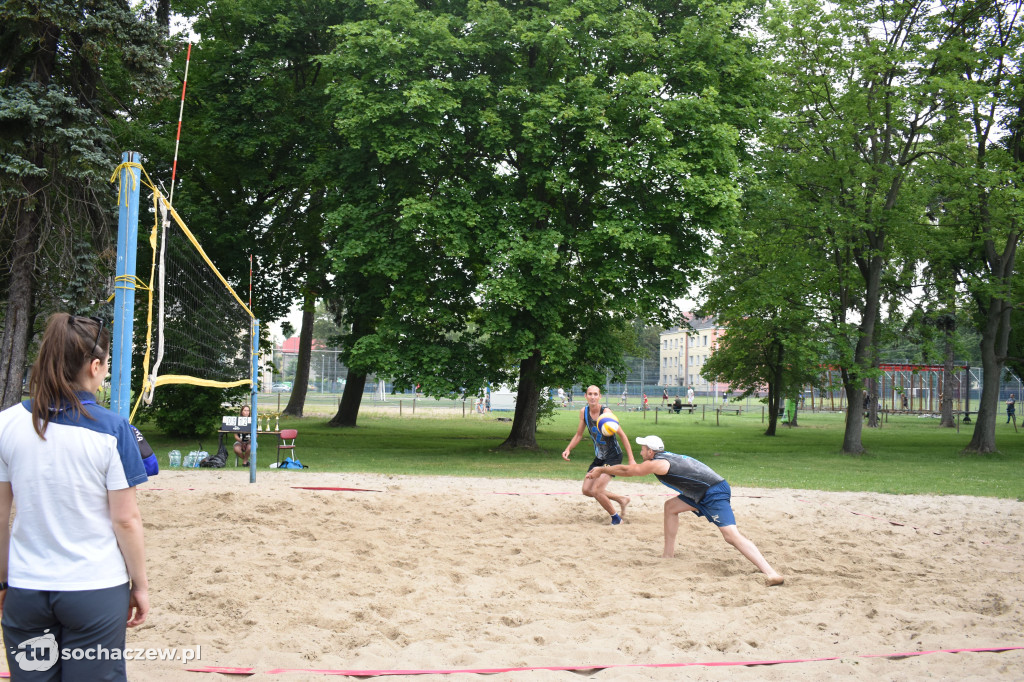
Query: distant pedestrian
(1011,409)
(664,396)
(689,395)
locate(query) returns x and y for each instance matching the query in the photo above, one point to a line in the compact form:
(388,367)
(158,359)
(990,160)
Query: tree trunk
(794,418)
(994,343)
(946,402)
(773,409)
(297,400)
(873,403)
(852,444)
(20,297)
(524,422)
(871,270)
(351,397)
(774,394)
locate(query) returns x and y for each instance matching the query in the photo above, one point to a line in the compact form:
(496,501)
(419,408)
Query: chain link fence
(923,390)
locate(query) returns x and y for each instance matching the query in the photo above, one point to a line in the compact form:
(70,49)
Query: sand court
(452,573)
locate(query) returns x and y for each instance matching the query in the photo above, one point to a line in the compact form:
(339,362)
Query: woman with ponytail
(72,567)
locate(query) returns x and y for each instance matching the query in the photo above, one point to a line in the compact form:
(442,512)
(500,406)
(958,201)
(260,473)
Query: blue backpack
(290,463)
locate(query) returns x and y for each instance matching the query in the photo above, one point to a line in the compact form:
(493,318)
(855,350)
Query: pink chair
(286,442)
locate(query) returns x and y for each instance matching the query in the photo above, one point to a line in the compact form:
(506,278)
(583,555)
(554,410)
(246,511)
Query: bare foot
(623,504)
(668,556)
(773,580)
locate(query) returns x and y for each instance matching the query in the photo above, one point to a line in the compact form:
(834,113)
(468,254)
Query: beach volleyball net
(199,331)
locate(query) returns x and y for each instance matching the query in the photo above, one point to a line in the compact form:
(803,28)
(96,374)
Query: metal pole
(643,381)
(124,288)
(255,398)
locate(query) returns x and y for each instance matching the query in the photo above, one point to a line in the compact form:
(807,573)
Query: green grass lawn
(907,455)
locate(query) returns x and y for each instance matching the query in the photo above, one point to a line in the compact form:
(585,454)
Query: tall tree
(764,287)
(562,157)
(258,151)
(863,95)
(979,182)
(68,70)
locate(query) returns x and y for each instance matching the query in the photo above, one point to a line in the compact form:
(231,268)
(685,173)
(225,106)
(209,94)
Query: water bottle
(174,458)
(201,456)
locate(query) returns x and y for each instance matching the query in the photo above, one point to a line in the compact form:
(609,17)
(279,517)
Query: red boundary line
(584,668)
(320,487)
(498,492)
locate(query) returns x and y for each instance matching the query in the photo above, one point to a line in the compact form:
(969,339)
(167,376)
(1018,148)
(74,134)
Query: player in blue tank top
(701,491)
(606,451)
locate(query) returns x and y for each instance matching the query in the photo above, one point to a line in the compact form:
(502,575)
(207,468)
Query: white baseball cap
(653,442)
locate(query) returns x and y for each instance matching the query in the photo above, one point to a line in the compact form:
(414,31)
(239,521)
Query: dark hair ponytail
(69,343)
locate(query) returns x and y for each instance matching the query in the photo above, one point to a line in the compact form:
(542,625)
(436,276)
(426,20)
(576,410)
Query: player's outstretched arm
(641,469)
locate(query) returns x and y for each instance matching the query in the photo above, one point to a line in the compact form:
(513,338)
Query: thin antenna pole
(181,110)
(250,281)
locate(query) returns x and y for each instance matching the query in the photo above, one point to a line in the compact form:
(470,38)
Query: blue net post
(255,391)
(124,287)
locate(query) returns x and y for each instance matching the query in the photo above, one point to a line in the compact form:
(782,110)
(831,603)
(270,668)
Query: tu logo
(38,653)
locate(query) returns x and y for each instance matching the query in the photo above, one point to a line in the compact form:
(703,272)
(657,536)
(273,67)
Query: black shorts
(604,462)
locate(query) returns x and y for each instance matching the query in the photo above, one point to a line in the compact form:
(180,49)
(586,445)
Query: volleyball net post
(129,189)
(253,423)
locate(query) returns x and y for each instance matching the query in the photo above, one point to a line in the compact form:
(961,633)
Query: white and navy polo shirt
(62,537)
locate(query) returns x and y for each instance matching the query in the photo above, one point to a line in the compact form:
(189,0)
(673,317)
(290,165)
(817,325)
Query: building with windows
(684,352)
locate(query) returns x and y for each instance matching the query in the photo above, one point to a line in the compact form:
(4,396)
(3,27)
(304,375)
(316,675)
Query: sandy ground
(451,573)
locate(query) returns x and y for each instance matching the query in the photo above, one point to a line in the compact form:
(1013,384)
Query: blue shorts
(715,505)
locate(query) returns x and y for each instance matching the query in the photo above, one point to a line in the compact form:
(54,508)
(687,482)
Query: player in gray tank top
(701,491)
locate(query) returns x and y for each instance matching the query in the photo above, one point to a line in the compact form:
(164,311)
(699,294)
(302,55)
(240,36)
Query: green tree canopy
(555,164)
(68,72)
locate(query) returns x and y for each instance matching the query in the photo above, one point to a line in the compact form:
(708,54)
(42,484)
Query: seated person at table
(242,445)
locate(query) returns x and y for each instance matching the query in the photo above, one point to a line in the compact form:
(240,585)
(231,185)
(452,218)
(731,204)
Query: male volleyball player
(606,451)
(701,491)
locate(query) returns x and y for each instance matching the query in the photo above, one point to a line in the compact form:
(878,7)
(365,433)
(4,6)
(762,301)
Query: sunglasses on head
(100,322)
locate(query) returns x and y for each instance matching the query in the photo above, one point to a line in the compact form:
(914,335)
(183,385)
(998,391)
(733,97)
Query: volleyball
(607,426)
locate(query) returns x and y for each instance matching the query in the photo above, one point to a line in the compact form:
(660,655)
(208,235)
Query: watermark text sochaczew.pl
(42,653)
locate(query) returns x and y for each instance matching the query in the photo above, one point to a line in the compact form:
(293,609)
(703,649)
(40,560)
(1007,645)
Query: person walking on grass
(1011,409)
(701,491)
(606,451)
(72,567)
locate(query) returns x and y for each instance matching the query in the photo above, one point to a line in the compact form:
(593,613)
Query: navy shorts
(715,506)
(39,626)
